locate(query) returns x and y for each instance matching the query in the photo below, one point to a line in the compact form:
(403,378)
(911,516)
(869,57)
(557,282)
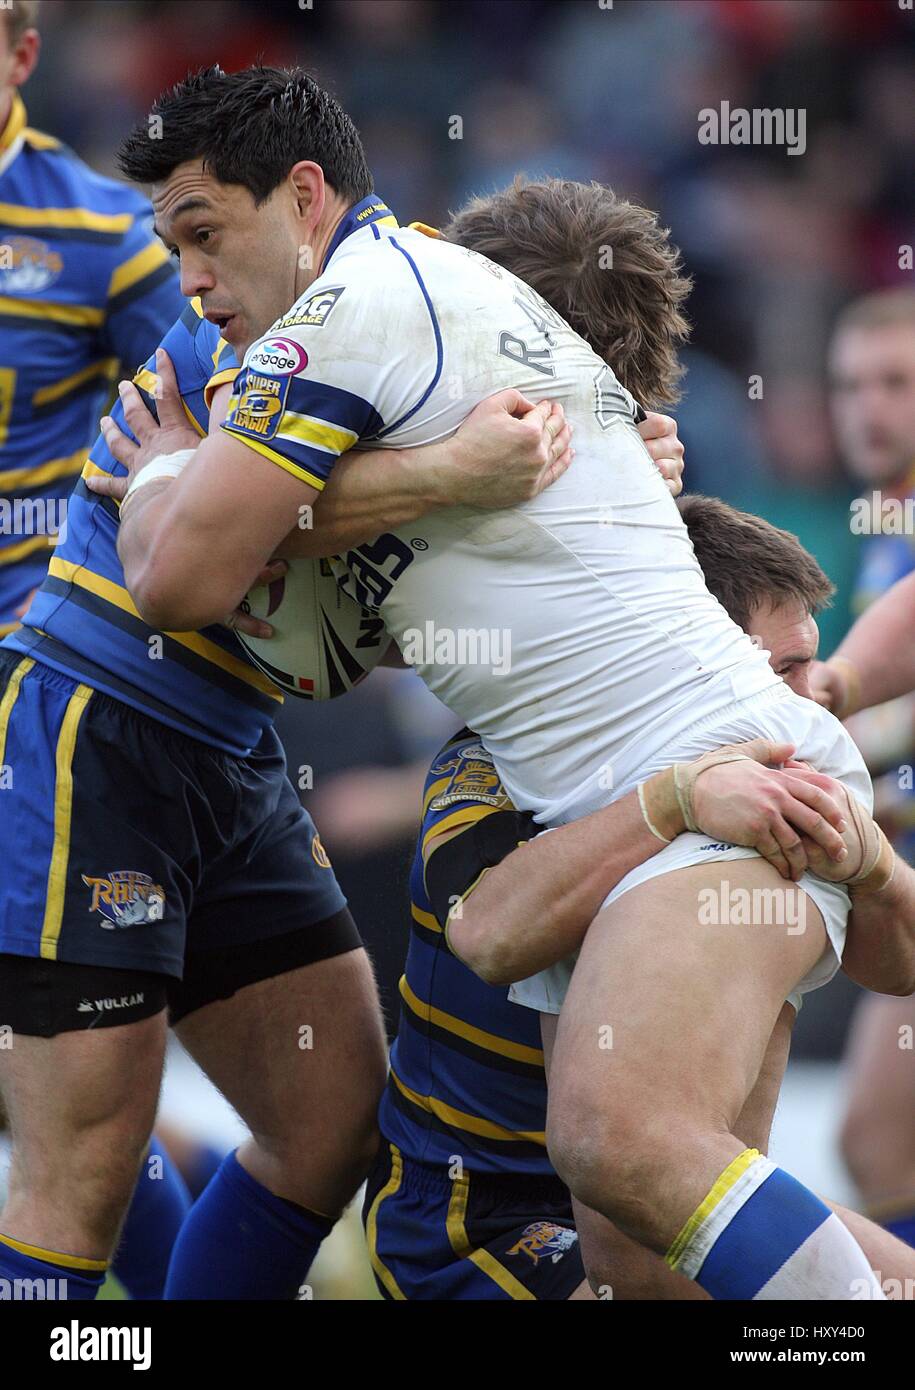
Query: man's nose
(800,684)
(196,278)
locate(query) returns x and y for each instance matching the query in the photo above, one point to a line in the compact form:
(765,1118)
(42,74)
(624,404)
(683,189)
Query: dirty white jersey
(574,633)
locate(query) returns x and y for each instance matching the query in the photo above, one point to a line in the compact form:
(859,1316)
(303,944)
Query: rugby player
(86,291)
(164,865)
(872,400)
(463,1201)
(385,335)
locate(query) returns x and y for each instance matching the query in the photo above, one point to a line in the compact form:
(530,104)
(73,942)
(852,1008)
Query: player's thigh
(754,1124)
(671,1005)
(299,1055)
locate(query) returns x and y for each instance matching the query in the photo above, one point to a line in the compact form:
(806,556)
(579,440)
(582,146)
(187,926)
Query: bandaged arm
(512,905)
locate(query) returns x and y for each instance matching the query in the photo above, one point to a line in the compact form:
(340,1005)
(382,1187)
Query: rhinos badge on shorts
(544,1240)
(126,899)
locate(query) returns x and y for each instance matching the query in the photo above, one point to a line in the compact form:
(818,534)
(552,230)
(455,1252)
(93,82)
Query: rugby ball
(324,643)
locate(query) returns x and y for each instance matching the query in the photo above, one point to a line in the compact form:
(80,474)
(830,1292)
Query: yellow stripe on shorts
(63,810)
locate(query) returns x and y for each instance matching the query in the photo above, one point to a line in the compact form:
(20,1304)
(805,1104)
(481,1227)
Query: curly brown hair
(603,263)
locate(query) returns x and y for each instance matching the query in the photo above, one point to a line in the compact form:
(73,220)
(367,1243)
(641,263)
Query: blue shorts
(127,844)
(475,1236)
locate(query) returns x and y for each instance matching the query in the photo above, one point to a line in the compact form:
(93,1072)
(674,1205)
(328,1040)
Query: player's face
(240,259)
(788,632)
(872,380)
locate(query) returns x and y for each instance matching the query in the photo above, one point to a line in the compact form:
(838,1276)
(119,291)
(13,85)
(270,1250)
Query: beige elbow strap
(666,799)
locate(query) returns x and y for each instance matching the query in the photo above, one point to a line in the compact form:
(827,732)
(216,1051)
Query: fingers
(168,398)
(764,750)
(139,417)
(812,812)
(276,569)
(672,474)
(107,485)
(791,846)
(657,426)
(239,621)
(119,444)
(513,403)
(767,845)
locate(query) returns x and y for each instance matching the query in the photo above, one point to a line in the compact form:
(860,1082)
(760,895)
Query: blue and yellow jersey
(85,285)
(467,1078)
(82,620)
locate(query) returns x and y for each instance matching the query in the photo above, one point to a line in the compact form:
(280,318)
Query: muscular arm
(881,647)
(369,491)
(880,945)
(533,907)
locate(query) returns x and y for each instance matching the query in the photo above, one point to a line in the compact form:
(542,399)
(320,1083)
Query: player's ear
(25,57)
(310,191)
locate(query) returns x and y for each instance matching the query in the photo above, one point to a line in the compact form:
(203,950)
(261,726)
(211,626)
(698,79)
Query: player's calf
(81,1106)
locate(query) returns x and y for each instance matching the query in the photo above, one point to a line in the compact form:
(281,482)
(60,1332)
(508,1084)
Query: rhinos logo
(126,899)
(28,265)
(542,1239)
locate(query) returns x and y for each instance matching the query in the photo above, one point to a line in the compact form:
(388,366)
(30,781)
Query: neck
(6,106)
(334,212)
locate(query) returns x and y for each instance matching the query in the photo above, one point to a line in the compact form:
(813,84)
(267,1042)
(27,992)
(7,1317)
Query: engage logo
(280,356)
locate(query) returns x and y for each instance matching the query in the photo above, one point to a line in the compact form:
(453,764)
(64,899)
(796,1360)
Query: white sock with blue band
(760,1234)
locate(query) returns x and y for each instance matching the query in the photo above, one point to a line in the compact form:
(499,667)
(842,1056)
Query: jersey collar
(10,137)
(360,215)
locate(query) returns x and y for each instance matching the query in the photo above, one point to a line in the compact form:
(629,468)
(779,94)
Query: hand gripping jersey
(574,633)
(84,286)
(84,623)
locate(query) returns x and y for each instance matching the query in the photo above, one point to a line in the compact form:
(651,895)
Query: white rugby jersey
(574,633)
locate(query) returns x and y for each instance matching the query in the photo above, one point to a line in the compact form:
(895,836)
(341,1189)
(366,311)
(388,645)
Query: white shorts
(820,740)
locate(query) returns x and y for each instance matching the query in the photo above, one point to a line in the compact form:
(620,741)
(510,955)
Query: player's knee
(609,1162)
(91,1175)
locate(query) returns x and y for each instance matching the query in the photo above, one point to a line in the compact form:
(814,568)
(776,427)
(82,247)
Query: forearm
(880,646)
(368,492)
(880,944)
(535,907)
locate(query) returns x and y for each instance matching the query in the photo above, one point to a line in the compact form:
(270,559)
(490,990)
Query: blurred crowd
(453,98)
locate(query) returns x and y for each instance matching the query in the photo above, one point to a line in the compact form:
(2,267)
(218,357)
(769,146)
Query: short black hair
(250,128)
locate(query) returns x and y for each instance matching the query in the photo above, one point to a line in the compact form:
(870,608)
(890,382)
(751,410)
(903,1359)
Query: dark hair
(556,235)
(250,128)
(747,561)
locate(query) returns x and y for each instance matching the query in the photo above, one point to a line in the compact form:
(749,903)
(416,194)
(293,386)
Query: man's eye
(203,236)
